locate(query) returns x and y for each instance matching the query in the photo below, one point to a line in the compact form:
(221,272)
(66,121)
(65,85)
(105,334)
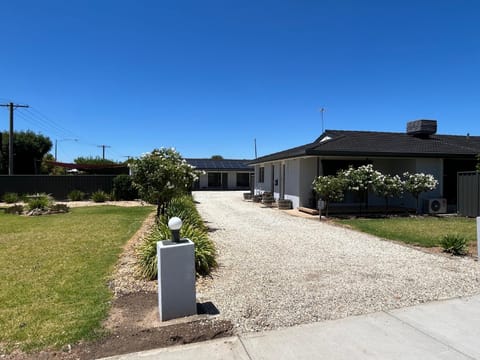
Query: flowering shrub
(415,184)
(161,175)
(388,186)
(365,178)
(330,188)
(361,178)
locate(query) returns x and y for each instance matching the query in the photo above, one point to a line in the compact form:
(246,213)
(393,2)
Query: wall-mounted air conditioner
(435,206)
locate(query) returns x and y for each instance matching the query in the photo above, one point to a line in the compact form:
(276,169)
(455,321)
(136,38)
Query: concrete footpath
(447,329)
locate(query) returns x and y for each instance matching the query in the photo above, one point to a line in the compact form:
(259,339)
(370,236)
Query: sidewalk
(447,329)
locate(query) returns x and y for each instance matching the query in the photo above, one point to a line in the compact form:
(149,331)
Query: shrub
(39,201)
(76,195)
(123,188)
(184,208)
(11,198)
(454,244)
(99,196)
(193,228)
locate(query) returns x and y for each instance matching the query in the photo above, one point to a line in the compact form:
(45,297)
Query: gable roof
(383,144)
(220,165)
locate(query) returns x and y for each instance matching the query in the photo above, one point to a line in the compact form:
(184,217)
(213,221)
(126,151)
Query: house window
(214,179)
(243,179)
(261,175)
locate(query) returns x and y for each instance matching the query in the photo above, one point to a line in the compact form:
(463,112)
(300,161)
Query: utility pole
(103,150)
(12,107)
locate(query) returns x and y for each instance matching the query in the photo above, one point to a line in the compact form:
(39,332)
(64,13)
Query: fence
(57,186)
(468,193)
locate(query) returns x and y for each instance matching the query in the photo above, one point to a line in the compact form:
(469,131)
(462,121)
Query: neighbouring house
(289,173)
(222,174)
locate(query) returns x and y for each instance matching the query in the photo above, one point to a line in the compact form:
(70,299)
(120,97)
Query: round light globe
(175,223)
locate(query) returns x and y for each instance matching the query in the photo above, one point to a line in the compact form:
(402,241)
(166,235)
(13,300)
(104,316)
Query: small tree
(329,189)
(415,184)
(478,162)
(360,179)
(161,175)
(388,186)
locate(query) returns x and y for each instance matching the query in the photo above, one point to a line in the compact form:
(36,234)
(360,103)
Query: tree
(90,160)
(330,188)
(478,162)
(47,166)
(217,157)
(162,175)
(415,184)
(360,179)
(29,150)
(388,186)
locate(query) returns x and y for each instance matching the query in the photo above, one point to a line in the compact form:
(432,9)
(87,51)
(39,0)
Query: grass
(54,273)
(422,231)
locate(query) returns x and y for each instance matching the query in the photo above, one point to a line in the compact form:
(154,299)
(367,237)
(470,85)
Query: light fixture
(175,224)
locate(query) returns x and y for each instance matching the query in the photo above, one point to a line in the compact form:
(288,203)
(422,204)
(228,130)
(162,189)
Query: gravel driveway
(278,270)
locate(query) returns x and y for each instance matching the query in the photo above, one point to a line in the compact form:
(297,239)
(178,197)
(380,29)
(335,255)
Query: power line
(12,107)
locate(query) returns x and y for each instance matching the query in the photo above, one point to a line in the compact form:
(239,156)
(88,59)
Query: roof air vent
(422,128)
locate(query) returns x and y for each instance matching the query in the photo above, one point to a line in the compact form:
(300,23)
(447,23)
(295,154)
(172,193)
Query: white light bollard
(176,275)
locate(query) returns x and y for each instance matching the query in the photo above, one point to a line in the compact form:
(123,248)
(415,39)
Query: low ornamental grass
(55,272)
(193,228)
(421,231)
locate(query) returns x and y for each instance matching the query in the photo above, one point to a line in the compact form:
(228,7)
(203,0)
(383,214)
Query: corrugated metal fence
(58,186)
(468,193)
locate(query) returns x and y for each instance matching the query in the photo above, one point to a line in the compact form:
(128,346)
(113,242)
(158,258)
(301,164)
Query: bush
(184,208)
(39,201)
(11,198)
(76,195)
(123,188)
(193,228)
(455,244)
(100,196)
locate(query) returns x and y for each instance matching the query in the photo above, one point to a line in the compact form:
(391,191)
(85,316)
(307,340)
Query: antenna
(255,142)
(322,110)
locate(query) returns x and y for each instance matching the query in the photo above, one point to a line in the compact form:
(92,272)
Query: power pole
(103,150)
(12,107)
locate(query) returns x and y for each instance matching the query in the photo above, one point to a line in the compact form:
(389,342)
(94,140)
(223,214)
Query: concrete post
(176,279)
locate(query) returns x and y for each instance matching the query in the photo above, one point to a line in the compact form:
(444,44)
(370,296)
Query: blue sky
(207,77)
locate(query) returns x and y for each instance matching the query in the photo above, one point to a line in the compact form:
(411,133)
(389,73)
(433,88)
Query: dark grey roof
(384,144)
(218,165)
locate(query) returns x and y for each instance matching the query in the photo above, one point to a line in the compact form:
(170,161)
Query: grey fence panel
(58,186)
(468,193)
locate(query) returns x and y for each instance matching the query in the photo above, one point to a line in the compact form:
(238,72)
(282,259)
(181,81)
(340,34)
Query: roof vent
(422,127)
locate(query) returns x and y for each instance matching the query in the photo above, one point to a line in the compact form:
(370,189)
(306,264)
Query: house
(289,173)
(224,174)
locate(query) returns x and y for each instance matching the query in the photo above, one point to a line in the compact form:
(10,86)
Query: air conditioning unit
(436,206)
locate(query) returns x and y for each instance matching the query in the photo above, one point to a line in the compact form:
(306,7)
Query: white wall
(308,172)
(292,181)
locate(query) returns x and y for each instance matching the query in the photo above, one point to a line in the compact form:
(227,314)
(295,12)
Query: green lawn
(54,271)
(423,231)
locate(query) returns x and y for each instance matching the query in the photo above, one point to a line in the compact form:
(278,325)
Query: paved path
(277,270)
(439,330)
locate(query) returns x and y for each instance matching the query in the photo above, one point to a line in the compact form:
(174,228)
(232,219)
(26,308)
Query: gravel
(278,270)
